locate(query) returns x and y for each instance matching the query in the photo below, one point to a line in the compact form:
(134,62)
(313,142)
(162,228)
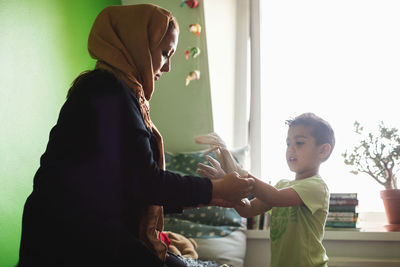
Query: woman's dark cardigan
(98,172)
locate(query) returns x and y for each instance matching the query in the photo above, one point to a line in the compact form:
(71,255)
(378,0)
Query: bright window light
(339,60)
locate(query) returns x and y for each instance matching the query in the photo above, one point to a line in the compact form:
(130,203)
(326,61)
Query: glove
(225,158)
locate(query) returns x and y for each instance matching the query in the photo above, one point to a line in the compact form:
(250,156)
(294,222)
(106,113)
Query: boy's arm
(256,207)
(275,197)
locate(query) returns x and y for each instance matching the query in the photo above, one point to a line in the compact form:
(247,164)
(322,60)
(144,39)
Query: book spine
(344,195)
(256,222)
(337,201)
(342,214)
(267,218)
(250,223)
(341,224)
(342,219)
(342,208)
(261,224)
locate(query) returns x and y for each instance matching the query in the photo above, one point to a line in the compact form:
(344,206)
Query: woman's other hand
(232,188)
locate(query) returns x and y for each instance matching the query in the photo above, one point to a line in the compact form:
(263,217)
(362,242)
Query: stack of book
(342,210)
(259,222)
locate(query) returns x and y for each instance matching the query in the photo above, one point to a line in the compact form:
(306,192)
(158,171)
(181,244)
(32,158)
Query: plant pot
(391,202)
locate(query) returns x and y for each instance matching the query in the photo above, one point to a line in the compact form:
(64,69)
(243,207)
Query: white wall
(227,28)
(182,112)
(220,23)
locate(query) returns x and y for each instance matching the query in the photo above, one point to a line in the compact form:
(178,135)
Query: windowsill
(339,234)
(370,228)
(367,246)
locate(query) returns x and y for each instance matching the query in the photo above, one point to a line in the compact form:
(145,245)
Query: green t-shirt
(296,232)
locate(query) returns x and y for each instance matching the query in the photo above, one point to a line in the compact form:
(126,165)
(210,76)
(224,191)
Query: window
(338,59)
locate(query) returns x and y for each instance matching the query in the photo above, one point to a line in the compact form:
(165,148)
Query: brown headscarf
(121,39)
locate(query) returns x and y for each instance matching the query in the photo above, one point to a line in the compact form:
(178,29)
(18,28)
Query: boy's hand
(232,188)
(228,163)
(213,172)
(225,158)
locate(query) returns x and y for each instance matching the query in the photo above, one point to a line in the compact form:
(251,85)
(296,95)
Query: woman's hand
(231,190)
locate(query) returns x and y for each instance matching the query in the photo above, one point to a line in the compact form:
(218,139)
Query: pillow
(229,249)
(186,162)
(241,156)
(205,222)
(219,232)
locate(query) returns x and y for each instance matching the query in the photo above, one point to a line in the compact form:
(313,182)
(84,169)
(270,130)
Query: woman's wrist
(216,189)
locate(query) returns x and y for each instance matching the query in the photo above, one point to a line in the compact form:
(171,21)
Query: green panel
(43,48)
(182,112)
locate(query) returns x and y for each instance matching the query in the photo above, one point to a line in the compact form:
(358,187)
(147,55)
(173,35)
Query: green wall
(43,47)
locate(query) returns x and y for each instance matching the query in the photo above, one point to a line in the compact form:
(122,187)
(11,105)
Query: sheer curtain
(338,59)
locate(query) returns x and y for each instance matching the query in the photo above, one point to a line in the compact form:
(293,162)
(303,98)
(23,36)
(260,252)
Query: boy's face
(303,155)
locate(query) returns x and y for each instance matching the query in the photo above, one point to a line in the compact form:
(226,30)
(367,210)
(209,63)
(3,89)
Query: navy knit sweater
(98,172)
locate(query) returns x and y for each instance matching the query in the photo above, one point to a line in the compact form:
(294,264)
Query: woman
(99,193)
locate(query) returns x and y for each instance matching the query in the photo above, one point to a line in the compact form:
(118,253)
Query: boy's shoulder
(314,193)
(283,183)
(313,180)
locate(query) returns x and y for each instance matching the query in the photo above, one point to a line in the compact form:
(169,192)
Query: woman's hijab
(121,39)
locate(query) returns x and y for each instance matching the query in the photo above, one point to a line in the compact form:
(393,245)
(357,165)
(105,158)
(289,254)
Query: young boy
(299,207)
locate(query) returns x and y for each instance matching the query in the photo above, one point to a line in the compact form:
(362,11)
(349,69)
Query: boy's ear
(325,151)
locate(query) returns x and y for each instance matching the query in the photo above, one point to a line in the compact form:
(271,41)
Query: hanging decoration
(195,29)
(193,75)
(190,3)
(193,52)
(193,49)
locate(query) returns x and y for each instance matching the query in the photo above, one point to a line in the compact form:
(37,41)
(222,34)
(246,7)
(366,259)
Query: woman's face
(161,55)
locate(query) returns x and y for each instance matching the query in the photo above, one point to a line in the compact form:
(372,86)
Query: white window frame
(255,139)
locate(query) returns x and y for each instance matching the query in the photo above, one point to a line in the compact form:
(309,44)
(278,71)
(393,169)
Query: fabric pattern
(205,222)
(198,263)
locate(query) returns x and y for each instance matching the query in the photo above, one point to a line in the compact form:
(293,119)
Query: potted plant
(378,155)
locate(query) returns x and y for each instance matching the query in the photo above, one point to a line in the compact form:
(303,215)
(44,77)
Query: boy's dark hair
(321,129)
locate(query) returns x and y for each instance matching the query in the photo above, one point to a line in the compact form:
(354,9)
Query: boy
(299,207)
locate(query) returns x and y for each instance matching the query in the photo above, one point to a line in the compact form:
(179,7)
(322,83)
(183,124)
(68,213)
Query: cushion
(186,162)
(205,222)
(219,232)
(229,249)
